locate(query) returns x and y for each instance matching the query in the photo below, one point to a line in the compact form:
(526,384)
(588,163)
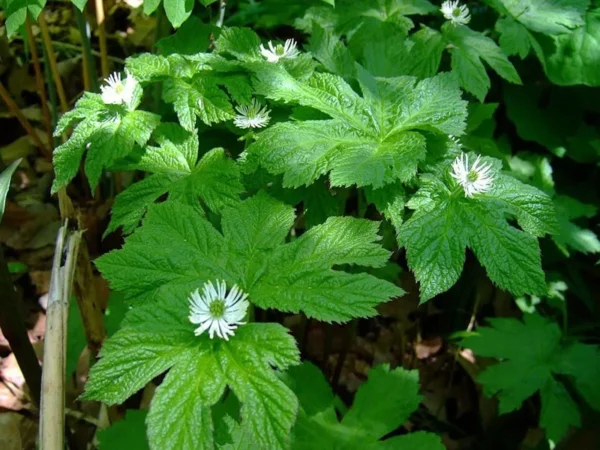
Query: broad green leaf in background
(177,10)
(76,341)
(381,405)
(214,179)
(158,337)
(5,178)
(17,10)
(527,369)
(80,4)
(468,48)
(369,141)
(445,222)
(193,37)
(571,236)
(516,39)
(574,58)
(176,250)
(331,52)
(545,16)
(106,132)
(126,434)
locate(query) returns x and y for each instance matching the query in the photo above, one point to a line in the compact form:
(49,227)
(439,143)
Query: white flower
(119,91)
(216,312)
(458,15)
(277,52)
(474,180)
(252,116)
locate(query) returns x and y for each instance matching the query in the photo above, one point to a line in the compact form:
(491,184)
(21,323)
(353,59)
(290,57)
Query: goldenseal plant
(301,177)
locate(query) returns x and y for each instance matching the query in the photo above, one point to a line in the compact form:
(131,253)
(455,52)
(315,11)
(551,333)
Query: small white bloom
(458,15)
(216,312)
(119,91)
(252,116)
(277,52)
(474,180)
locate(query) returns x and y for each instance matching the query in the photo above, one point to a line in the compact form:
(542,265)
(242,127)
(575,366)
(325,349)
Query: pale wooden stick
(52,410)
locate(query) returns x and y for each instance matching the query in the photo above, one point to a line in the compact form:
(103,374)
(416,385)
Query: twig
(52,411)
(14,109)
(83,416)
(222,8)
(13,327)
(53,65)
(102,37)
(39,79)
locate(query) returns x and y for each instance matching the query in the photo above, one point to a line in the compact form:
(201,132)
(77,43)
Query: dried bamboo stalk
(52,410)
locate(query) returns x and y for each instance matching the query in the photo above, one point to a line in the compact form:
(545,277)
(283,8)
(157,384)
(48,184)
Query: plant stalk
(102,38)
(52,411)
(222,8)
(39,80)
(13,328)
(60,90)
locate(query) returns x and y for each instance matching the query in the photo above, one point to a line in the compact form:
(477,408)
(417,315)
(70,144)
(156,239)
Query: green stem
(87,49)
(51,93)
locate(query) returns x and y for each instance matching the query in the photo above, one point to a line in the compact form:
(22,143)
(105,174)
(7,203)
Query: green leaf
(311,387)
(17,10)
(417,440)
(559,411)
(425,55)
(390,201)
(178,11)
(525,370)
(547,17)
(468,48)
(107,132)
(80,4)
(161,336)
(385,401)
(574,58)
(126,434)
(331,52)
(193,37)
(199,97)
(381,405)
(515,39)
(370,141)
(570,235)
(215,179)
(445,223)
(178,420)
(240,438)
(243,43)
(5,178)
(187,251)
(76,340)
